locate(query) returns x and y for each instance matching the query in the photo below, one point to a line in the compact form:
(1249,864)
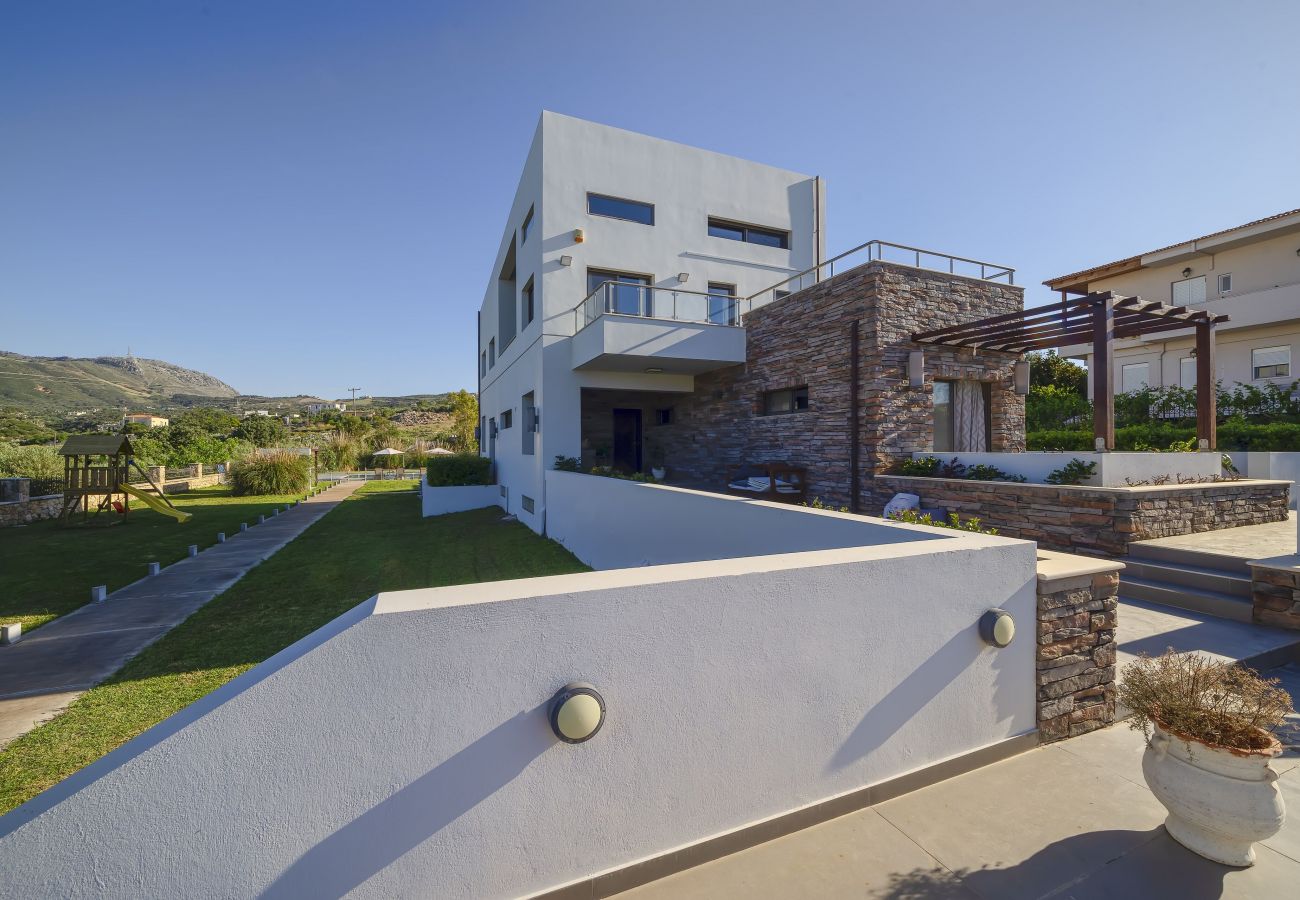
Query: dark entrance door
(627,440)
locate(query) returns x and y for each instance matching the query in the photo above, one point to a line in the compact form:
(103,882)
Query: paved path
(1247,542)
(1071,820)
(43,673)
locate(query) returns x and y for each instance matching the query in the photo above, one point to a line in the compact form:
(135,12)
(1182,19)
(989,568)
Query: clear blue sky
(302,197)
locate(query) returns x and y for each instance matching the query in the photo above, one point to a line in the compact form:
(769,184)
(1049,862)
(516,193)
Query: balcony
(622,327)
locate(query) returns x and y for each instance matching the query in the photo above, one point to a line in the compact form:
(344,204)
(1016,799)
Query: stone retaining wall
(1094,520)
(1075,661)
(1275,588)
(34,509)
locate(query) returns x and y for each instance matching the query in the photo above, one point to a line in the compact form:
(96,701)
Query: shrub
(1221,704)
(982,472)
(933,467)
(262,431)
(1076,471)
(610,472)
(912,517)
(567,464)
(340,451)
(279,472)
(458,470)
(925,467)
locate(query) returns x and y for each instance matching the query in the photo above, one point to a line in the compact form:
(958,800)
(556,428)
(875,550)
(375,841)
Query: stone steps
(1209,583)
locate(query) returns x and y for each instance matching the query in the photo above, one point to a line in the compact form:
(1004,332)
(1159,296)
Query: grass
(47,571)
(375,541)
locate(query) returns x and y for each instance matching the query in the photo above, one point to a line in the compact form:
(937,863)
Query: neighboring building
(257,412)
(636,318)
(317,408)
(148,420)
(1250,273)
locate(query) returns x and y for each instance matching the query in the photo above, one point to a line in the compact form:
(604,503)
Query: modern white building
(1250,273)
(625,266)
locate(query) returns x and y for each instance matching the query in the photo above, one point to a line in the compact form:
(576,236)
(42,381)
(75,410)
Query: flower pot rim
(1274,749)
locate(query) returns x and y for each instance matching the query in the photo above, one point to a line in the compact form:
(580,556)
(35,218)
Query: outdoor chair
(769,481)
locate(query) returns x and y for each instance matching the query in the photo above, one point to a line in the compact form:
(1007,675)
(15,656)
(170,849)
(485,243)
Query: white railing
(673,304)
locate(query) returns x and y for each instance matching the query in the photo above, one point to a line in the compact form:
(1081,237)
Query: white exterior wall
(438,501)
(1114,468)
(569,158)
(403,750)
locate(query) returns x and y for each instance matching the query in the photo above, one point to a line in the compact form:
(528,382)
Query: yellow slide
(156,504)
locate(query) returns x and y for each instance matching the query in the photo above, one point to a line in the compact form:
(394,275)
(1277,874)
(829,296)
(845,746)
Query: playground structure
(83,479)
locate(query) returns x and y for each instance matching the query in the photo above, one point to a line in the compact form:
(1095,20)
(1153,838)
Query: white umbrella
(387,451)
(438,451)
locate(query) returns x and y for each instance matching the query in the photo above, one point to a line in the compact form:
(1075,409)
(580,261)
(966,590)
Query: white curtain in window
(969,417)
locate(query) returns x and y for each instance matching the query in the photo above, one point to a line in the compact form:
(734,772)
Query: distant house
(317,408)
(148,420)
(257,412)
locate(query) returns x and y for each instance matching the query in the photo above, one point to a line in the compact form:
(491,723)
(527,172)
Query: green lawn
(47,570)
(375,541)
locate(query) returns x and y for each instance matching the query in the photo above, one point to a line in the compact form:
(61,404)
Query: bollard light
(194,550)
(153,568)
(997,628)
(577,712)
(221,537)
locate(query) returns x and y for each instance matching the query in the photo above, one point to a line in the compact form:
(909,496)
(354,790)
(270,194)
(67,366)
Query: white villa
(676,232)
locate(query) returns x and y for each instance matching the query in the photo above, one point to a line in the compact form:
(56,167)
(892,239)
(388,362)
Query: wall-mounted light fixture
(579,235)
(1187,273)
(566,260)
(577,712)
(654,370)
(683,277)
(916,369)
(997,628)
(1022,377)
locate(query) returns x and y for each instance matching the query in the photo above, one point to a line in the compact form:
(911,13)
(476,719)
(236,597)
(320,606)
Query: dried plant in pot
(1210,729)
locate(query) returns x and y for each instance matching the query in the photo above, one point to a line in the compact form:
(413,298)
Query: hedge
(1233,435)
(459,469)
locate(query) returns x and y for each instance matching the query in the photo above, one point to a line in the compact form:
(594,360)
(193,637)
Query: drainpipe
(854,436)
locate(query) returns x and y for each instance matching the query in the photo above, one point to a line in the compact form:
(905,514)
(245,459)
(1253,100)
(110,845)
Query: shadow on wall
(911,695)
(1114,864)
(393,827)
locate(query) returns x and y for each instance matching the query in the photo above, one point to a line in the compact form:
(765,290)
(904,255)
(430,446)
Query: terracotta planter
(1220,801)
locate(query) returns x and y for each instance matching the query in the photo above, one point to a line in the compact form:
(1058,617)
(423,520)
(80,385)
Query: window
(629,295)
(962,423)
(1189,290)
(1187,371)
(528,434)
(1225,283)
(944,439)
(1270,362)
(617,208)
(528,223)
(786,400)
(664,416)
(507,419)
(482,364)
(492,353)
(723,305)
(1135,376)
(527,503)
(750,234)
(528,302)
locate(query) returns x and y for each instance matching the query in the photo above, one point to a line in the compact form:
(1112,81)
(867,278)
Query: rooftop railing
(885,251)
(627,299)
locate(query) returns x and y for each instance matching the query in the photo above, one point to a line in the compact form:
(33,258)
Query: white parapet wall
(404,749)
(1117,468)
(437,501)
(1280,466)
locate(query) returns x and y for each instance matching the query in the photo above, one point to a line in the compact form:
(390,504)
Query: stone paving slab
(1247,542)
(1150,628)
(45,671)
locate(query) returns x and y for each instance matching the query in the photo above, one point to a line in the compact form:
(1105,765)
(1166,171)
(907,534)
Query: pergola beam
(1103,380)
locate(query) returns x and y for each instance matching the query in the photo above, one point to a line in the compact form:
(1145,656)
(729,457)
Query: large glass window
(943,421)
(1271,362)
(628,295)
(750,234)
(723,309)
(528,302)
(618,208)
(786,400)
(1189,290)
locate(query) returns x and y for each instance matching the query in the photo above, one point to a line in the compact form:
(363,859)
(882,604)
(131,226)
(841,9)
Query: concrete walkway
(1247,542)
(1071,820)
(43,673)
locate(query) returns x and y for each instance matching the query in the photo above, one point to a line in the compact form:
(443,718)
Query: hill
(64,384)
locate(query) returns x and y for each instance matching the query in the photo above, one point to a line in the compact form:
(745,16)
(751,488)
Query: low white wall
(1282,466)
(1112,468)
(436,501)
(609,523)
(404,749)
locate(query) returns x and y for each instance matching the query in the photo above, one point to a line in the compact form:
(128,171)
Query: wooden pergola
(1099,318)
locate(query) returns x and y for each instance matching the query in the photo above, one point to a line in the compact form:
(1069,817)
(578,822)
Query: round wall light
(1187,273)
(997,628)
(577,712)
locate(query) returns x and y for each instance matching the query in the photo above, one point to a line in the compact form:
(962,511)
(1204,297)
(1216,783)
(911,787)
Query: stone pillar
(15,490)
(1275,592)
(158,474)
(1075,660)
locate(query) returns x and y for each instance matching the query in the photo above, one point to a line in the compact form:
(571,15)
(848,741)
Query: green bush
(279,472)
(1234,434)
(1076,471)
(460,469)
(567,464)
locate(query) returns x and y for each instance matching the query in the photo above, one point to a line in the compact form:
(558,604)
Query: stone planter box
(1114,468)
(1280,466)
(437,501)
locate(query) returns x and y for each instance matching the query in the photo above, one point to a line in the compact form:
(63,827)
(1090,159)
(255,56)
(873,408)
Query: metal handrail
(876,252)
(604,299)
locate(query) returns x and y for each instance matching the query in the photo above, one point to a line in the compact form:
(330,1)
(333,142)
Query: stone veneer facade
(1275,590)
(1095,520)
(804,340)
(33,509)
(1075,661)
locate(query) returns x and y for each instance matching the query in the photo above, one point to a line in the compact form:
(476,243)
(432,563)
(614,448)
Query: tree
(209,419)
(1047,369)
(464,419)
(261,431)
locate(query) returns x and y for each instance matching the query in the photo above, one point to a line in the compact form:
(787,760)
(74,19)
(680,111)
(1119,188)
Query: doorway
(627,440)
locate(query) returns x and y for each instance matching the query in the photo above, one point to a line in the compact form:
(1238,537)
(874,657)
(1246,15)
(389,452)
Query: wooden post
(1206,402)
(1103,367)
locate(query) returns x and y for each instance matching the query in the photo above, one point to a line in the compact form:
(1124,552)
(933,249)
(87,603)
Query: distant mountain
(64,384)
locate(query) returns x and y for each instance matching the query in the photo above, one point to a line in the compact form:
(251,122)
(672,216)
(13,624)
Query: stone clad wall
(1094,520)
(34,509)
(1276,593)
(804,340)
(1075,659)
